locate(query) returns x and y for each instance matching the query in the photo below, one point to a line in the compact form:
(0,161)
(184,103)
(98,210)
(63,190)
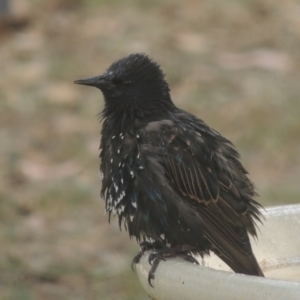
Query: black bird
(169,177)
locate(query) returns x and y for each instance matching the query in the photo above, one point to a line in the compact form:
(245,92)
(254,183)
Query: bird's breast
(121,164)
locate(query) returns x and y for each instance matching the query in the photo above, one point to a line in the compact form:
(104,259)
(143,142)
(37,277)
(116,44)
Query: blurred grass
(236,64)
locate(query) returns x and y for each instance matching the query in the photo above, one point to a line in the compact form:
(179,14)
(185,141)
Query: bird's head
(134,81)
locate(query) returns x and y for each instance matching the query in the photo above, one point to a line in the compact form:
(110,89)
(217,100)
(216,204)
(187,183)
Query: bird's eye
(118,81)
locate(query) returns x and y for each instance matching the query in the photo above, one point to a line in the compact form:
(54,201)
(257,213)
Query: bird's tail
(244,265)
(230,242)
(239,261)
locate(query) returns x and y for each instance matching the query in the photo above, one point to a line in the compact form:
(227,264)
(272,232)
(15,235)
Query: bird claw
(159,254)
(136,259)
(156,257)
(151,276)
(145,246)
(155,260)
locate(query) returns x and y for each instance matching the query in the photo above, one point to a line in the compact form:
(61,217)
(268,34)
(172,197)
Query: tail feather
(242,264)
(238,260)
(230,242)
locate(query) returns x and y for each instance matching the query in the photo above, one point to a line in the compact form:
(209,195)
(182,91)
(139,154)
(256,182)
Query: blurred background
(234,63)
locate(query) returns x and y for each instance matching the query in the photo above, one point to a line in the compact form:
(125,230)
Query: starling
(176,184)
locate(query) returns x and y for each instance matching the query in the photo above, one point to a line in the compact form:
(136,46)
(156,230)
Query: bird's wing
(204,169)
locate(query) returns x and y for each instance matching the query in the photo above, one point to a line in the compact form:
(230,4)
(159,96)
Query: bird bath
(277,251)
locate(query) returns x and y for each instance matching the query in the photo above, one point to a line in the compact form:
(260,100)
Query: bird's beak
(97,81)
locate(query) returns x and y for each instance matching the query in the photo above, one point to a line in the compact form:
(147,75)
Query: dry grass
(236,64)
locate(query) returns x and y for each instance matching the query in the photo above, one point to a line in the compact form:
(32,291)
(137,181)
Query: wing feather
(204,171)
(221,192)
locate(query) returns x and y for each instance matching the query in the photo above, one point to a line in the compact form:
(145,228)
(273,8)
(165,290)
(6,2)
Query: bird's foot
(145,246)
(156,257)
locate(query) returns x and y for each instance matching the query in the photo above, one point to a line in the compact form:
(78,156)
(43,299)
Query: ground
(235,64)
